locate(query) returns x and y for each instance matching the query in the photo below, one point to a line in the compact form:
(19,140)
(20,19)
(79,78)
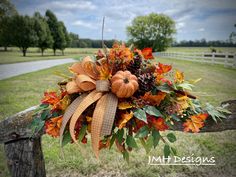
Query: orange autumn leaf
(124,119)
(179,76)
(154,100)
(124,105)
(158,123)
(147,53)
(120,52)
(53,126)
(195,122)
(163,68)
(50,98)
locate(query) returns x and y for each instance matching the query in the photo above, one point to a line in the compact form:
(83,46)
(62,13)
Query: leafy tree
(57,31)
(74,40)
(232,36)
(45,39)
(153,30)
(66,40)
(23,32)
(7,9)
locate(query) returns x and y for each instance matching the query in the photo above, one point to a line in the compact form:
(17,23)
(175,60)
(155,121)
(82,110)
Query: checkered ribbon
(103,115)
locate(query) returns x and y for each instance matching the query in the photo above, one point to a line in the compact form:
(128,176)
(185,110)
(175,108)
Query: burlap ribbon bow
(105,110)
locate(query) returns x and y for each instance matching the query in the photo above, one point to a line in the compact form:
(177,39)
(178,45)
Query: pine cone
(135,65)
(146,82)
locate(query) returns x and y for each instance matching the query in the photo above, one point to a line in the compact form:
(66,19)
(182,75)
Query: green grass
(14,55)
(201,49)
(218,84)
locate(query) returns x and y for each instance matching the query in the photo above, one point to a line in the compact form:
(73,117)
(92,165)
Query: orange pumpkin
(124,84)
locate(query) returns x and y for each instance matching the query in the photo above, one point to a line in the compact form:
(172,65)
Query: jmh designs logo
(176,160)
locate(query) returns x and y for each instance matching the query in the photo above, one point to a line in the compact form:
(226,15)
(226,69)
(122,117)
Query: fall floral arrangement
(121,96)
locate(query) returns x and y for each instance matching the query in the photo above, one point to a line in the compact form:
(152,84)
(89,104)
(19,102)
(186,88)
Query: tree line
(76,42)
(204,43)
(24,31)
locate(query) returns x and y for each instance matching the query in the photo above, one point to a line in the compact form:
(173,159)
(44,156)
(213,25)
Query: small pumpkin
(124,84)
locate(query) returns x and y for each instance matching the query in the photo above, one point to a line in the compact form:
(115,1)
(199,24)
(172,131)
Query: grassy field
(201,49)
(218,84)
(14,55)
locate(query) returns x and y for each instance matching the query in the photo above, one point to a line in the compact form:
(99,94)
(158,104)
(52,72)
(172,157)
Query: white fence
(227,59)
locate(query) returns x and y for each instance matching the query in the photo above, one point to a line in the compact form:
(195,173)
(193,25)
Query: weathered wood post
(24,152)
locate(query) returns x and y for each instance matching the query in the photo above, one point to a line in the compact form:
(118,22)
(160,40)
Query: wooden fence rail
(24,151)
(226,59)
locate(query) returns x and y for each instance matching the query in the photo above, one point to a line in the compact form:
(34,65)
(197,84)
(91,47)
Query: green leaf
(130,141)
(152,110)
(165,88)
(173,150)
(216,112)
(142,132)
(166,150)
(36,125)
(82,133)
(119,135)
(171,137)
(112,140)
(126,156)
(144,144)
(156,137)
(140,114)
(149,144)
(66,138)
(185,86)
(45,114)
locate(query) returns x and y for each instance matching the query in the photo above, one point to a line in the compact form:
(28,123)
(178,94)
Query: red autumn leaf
(195,122)
(147,53)
(158,123)
(163,68)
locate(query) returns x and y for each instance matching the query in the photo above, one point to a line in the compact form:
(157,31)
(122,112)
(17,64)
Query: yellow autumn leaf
(179,76)
(124,105)
(124,119)
(104,72)
(183,102)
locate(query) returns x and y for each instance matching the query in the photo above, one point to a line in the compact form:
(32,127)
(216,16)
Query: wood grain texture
(25,158)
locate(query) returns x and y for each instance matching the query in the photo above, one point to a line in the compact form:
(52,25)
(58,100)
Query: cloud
(195,19)
(201,29)
(69,5)
(180,25)
(85,24)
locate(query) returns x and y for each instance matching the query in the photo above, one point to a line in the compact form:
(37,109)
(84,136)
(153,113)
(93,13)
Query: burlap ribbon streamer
(105,110)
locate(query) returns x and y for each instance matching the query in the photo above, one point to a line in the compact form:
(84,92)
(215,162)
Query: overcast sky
(195,19)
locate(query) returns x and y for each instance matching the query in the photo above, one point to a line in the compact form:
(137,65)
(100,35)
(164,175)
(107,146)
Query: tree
(153,30)
(23,32)
(232,36)
(74,40)
(7,10)
(66,40)
(57,31)
(45,39)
